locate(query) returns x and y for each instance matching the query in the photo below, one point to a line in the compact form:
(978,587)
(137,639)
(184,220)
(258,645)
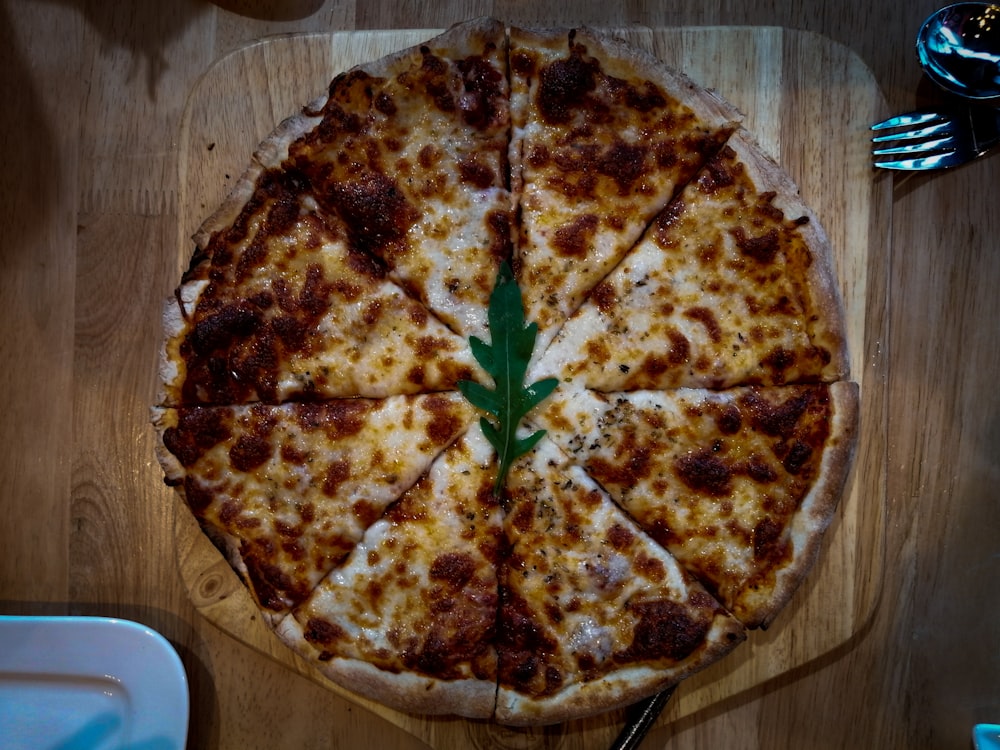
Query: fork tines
(925,140)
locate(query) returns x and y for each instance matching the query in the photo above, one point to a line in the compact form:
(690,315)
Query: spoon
(959,49)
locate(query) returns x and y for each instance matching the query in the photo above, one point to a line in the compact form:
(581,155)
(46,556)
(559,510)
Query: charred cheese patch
(715,477)
(419,591)
(590,605)
(281,308)
(696,445)
(599,146)
(412,159)
(291,488)
(721,291)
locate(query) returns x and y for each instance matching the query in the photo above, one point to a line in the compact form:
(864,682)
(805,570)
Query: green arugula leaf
(506,358)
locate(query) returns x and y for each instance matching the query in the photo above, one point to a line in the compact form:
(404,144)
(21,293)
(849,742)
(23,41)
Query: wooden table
(94,94)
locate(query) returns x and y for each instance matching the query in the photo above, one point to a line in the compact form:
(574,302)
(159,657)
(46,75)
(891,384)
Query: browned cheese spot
(339,419)
(473,172)
(372,312)
(665,222)
(483,97)
(632,464)
(454,568)
(619,537)
(665,630)
(678,354)
(719,172)
(407,509)
(598,351)
(429,156)
(522,517)
(766,538)
(573,239)
(249,452)
(434,76)
(377,214)
(704,472)
(778,361)
(198,429)
(365,512)
(763,248)
(563,87)
(604,297)
(338,472)
(198,497)
(650,568)
(625,164)
(728,419)
(759,470)
(322,632)
(445,421)
(270,583)
(499,224)
(707,318)
(522,63)
(383,103)
(418,315)
(522,642)
(798,455)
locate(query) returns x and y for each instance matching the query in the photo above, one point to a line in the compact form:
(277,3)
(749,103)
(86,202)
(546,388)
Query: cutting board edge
(867,611)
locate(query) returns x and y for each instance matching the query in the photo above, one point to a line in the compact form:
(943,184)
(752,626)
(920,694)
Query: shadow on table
(268,10)
(29,178)
(144,30)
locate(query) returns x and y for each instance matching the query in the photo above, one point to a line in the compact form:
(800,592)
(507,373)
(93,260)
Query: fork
(935,140)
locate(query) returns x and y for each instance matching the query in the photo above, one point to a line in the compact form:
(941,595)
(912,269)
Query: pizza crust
(621,688)
(404,691)
(808,525)
(624,60)
(176,311)
(820,285)
(229,546)
(272,151)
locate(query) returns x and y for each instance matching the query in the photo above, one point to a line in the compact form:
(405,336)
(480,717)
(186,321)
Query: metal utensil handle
(642,716)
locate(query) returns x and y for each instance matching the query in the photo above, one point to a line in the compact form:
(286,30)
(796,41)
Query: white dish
(986,737)
(68,683)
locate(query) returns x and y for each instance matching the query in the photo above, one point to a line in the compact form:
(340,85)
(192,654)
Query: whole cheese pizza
(511,378)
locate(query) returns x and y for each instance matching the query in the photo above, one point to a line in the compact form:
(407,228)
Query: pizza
(511,378)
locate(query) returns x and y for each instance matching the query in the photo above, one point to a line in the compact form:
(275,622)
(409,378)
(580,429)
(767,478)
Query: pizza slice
(594,614)
(409,618)
(410,154)
(733,284)
(279,307)
(739,484)
(287,490)
(603,135)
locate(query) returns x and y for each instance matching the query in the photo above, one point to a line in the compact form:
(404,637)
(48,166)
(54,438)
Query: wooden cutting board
(809,101)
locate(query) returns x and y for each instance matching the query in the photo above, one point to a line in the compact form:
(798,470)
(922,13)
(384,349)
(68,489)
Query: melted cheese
(715,476)
(297,484)
(419,591)
(715,295)
(599,149)
(585,586)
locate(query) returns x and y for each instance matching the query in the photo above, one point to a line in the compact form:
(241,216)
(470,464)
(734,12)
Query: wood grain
(37,289)
(93,98)
(246,93)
